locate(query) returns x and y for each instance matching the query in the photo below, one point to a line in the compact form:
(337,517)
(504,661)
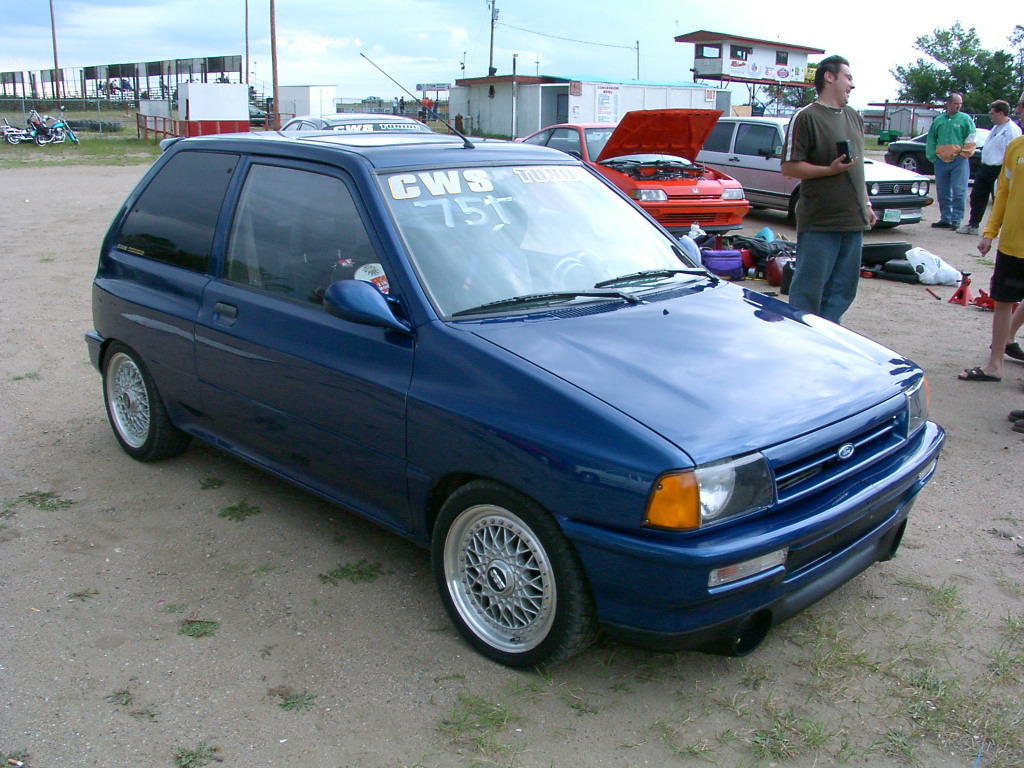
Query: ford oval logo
(845,451)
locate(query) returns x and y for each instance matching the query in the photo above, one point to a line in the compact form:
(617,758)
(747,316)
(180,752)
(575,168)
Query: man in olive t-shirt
(832,210)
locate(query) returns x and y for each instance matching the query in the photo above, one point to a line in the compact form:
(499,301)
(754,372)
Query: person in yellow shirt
(1006,221)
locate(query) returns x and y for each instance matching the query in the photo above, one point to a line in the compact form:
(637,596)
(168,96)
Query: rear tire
(909,162)
(509,578)
(135,409)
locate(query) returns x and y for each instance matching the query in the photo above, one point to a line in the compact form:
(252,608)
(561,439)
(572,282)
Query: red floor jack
(964,296)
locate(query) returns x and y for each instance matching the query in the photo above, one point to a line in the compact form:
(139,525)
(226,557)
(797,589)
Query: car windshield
(482,235)
(596,139)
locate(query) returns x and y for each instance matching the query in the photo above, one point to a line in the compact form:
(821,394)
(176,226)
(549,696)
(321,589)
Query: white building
(507,105)
(306,100)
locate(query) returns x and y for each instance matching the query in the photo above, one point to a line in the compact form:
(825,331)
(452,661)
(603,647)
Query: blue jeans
(951,189)
(827,271)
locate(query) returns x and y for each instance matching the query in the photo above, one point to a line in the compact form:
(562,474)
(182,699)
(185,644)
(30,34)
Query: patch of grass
(83,595)
(33,375)
(1013,626)
(16,758)
(899,744)
(986,262)
(297,702)
(198,628)
(144,713)
(210,482)
(787,735)
(475,722)
(576,702)
(121,698)
(91,150)
(47,501)
(262,570)
(363,571)
(239,511)
(202,755)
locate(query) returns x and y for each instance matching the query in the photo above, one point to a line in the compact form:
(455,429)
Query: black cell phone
(843,149)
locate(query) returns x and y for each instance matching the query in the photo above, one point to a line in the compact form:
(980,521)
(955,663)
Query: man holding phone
(824,148)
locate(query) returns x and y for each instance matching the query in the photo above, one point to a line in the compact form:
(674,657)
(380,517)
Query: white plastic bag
(690,248)
(931,269)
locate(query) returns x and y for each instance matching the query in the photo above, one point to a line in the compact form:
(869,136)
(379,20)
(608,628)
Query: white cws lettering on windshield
(406,186)
(547,174)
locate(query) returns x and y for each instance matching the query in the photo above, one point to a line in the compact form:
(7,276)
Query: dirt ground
(916,662)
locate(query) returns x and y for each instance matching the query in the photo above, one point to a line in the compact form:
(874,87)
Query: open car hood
(679,132)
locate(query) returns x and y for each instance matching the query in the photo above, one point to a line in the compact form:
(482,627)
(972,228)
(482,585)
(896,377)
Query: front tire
(509,579)
(135,410)
(910,162)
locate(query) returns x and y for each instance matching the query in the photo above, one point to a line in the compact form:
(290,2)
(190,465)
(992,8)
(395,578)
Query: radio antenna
(466,143)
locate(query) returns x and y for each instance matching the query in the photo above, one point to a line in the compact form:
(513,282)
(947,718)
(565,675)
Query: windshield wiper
(539,298)
(649,273)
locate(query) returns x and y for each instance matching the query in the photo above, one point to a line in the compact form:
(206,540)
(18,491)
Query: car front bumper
(656,593)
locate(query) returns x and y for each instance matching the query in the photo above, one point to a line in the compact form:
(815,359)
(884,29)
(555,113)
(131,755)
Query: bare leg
(1000,337)
(1016,322)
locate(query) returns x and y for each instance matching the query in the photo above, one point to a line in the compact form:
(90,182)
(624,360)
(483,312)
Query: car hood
(679,132)
(717,372)
(875,171)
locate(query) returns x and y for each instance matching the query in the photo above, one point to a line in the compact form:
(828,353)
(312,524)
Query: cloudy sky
(419,41)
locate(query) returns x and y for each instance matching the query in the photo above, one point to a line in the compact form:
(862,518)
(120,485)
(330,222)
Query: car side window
(540,138)
(295,232)
(720,138)
(567,140)
(174,218)
(760,140)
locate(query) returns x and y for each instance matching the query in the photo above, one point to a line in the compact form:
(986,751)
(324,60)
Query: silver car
(749,149)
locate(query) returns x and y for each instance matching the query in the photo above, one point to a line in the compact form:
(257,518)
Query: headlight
(649,195)
(733,194)
(923,190)
(875,189)
(913,188)
(711,493)
(918,395)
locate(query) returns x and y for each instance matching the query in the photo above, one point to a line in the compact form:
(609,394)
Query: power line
(568,39)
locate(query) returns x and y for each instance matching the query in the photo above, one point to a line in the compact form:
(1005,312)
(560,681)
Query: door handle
(225,310)
(734,159)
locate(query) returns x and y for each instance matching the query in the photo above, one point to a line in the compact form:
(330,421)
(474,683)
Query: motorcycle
(13,134)
(46,132)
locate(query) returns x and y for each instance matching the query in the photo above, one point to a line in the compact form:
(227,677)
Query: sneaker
(941,225)
(1013,350)
(967,229)
(1018,426)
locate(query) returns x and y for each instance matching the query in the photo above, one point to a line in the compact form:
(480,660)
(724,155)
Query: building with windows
(732,58)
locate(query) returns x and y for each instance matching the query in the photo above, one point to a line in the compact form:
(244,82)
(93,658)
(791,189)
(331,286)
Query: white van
(749,149)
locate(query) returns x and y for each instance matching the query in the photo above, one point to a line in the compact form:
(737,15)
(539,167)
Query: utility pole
(276,111)
(493,5)
(56,67)
(515,57)
(247,44)
(637,59)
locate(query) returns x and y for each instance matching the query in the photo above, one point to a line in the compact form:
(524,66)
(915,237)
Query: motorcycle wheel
(40,140)
(11,138)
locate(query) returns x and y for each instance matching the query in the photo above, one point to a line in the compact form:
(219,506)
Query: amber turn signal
(674,503)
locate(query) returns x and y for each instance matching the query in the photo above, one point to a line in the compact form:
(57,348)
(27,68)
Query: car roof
(382,151)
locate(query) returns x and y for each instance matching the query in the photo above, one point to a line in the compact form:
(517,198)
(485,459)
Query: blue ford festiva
(490,350)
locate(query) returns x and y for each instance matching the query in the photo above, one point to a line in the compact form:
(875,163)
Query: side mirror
(360,302)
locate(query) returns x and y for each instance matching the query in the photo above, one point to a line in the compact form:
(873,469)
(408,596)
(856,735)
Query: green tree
(960,63)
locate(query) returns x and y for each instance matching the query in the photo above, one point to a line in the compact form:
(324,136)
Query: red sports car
(650,155)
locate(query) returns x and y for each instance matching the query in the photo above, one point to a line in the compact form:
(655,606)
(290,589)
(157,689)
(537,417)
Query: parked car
(750,149)
(909,153)
(257,116)
(490,350)
(650,155)
(355,122)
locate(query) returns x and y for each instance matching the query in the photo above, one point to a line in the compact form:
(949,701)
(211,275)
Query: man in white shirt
(1004,130)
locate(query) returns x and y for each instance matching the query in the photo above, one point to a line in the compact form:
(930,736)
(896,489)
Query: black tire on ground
(135,409)
(509,579)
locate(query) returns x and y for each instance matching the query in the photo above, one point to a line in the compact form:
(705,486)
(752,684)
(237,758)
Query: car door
(756,162)
(309,395)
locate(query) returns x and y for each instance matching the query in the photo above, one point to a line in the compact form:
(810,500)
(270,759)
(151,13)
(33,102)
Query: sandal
(977,374)
(1016,416)
(1014,350)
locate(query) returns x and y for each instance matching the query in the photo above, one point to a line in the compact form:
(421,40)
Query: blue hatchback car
(490,350)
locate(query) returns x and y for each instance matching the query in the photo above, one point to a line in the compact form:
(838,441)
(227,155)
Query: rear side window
(760,140)
(175,216)
(719,138)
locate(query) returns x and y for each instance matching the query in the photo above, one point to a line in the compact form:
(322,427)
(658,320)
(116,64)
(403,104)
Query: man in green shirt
(832,210)
(950,142)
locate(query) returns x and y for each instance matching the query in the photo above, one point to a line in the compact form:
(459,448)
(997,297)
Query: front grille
(891,187)
(701,217)
(813,466)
